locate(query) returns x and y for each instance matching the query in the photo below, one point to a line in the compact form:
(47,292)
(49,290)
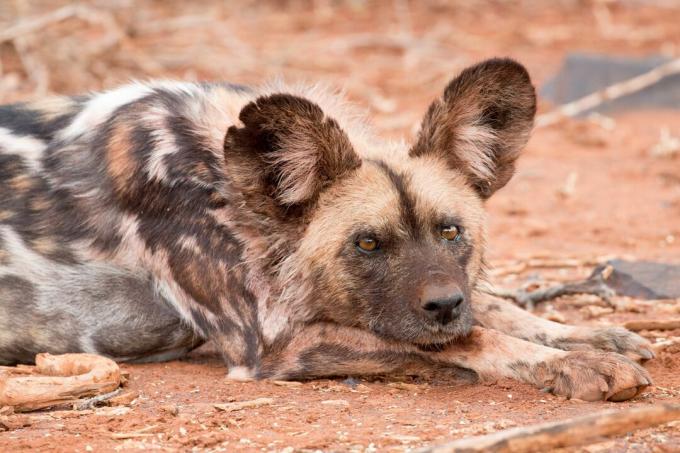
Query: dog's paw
(612,339)
(593,376)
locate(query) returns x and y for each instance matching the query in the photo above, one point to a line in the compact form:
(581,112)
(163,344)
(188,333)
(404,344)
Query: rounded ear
(481,123)
(287,149)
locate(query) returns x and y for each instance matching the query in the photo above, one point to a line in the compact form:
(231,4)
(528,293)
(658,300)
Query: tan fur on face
(442,192)
(370,198)
(366,198)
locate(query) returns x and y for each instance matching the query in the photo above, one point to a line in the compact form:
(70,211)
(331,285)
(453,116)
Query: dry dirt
(392,57)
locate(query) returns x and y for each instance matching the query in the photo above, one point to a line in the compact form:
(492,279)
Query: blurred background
(601,184)
(605,184)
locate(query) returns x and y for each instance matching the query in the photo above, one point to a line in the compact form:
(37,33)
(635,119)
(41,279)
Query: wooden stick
(61,379)
(652,324)
(566,433)
(609,93)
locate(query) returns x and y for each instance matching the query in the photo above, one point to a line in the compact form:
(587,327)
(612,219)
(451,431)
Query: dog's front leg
(322,350)
(329,350)
(587,375)
(504,316)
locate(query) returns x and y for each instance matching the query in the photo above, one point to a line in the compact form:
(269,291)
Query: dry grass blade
(144,432)
(239,405)
(566,433)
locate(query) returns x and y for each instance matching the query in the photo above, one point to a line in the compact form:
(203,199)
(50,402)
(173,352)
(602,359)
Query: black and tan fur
(139,222)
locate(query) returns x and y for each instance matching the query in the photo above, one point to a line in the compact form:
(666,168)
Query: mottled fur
(139,222)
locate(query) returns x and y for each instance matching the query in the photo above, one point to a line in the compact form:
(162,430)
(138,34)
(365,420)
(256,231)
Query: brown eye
(450,233)
(367,244)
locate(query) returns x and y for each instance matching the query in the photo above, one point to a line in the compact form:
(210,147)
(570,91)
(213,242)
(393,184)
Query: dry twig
(566,433)
(595,285)
(614,91)
(91,403)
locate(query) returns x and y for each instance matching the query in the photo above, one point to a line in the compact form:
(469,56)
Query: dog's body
(139,222)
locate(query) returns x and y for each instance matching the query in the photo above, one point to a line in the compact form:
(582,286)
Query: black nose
(443,310)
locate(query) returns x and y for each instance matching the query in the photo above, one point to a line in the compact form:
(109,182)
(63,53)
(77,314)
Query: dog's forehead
(376,193)
(439,190)
(366,197)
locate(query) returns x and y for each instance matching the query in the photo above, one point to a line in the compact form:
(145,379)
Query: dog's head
(388,238)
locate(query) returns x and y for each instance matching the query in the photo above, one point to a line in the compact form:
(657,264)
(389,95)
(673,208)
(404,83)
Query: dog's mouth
(440,336)
(424,332)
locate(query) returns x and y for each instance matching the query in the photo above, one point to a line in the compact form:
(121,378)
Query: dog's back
(53,296)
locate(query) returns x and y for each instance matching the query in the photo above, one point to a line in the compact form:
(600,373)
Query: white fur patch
(165,145)
(30,149)
(99,109)
(476,149)
(240,373)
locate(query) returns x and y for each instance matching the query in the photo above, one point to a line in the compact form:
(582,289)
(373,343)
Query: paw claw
(647,354)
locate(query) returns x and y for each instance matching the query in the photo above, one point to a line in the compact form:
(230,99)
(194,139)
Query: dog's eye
(450,232)
(367,244)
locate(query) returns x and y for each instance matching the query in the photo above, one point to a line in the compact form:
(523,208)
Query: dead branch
(595,285)
(58,379)
(652,324)
(609,93)
(566,433)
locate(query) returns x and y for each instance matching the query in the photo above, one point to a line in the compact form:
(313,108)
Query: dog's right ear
(287,149)
(481,123)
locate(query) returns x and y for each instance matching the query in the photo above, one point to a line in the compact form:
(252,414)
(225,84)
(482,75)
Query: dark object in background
(583,74)
(643,279)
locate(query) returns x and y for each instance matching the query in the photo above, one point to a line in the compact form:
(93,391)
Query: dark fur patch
(22,120)
(407,205)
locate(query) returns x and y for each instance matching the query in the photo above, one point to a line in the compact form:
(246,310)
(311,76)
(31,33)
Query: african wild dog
(140,222)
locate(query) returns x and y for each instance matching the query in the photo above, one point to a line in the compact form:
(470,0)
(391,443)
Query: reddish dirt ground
(624,202)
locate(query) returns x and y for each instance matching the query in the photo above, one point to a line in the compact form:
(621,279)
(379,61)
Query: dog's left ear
(481,123)
(287,150)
